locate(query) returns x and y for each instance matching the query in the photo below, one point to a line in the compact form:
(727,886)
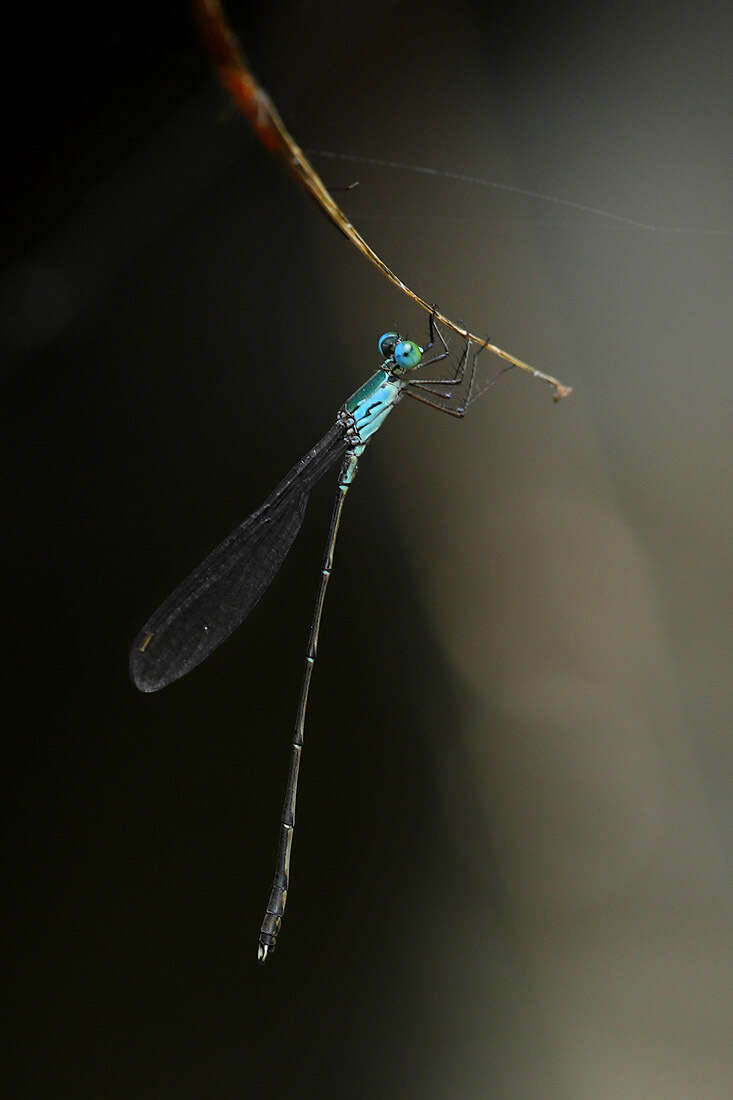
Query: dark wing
(220,593)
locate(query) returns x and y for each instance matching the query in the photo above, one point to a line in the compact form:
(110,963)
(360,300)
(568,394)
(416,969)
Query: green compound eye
(407,354)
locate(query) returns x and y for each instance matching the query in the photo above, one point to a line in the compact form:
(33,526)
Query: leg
(455,380)
(428,388)
(278,895)
(470,395)
(433,330)
(417,396)
(412,388)
(417,388)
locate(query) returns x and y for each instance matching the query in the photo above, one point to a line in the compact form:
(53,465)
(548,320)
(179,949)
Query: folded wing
(212,602)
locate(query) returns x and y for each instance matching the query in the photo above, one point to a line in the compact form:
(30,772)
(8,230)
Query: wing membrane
(212,602)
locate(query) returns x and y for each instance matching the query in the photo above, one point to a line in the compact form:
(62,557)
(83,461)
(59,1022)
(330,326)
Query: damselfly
(213,601)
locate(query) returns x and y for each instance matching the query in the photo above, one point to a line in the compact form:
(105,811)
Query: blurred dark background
(511,869)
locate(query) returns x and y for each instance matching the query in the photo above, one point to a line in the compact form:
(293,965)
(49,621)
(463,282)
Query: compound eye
(387,343)
(407,354)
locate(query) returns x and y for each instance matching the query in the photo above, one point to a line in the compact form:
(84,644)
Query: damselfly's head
(401,355)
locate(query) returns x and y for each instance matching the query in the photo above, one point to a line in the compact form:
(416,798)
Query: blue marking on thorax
(373,402)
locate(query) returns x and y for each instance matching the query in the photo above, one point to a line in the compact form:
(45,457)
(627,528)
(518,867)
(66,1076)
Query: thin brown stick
(263,116)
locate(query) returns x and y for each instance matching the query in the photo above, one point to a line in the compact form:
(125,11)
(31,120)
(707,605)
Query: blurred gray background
(511,869)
